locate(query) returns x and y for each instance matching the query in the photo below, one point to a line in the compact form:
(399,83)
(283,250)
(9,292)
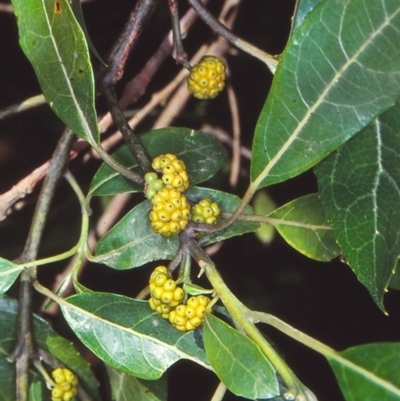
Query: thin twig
(24,349)
(24,187)
(235,165)
(26,104)
(104,223)
(179,53)
(108,76)
(241,317)
(224,137)
(247,47)
(219,392)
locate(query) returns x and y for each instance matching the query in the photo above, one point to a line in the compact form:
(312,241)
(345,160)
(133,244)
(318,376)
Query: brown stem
(109,75)
(25,349)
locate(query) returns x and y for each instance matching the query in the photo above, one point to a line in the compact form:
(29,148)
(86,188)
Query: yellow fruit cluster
(166,298)
(170,212)
(205,211)
(66,387)
(173,170)
(207,78)
(165,295)
(190,316)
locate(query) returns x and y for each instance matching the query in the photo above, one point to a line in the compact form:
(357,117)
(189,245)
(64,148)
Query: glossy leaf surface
(303,224)
(125,387)
(339,71)
(55,45)
(238,361)
(9,272)
(263,205)
(303,8)
(369,372)
(360,189)
(132,242)
(127,335)
(47,339)
(202,154)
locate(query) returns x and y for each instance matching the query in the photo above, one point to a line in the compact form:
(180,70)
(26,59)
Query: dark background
(325,300)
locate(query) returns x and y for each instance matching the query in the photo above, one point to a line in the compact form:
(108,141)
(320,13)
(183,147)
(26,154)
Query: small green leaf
(125,387)
(369,372)
(304,226)
(55,45)
(263,204)
(9,272)
(127,335)
(228,204)
(360,188)
(338,72)
(45,338)
(132,242)
(202,153)
(193,289)
(238,361)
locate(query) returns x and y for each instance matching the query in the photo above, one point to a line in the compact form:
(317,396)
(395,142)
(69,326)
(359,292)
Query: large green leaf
(303,224)
(9,272)
(127,335)
(202,153)
(132,242)
(125,387)
(369,372)
(238,361)
(54,43)
(360,189)
(45,338)
(339,71)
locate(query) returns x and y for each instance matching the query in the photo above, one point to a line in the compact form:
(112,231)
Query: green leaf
(194,290)
(125,387)
(339,71)
(304,226)
(263,205)
(228,204)
(77,10)
(360,189)
(238,361)
(132,242)
(369,372)
(45,338)
(55,45)
(9,272)
(127,335)
(395,279)
(202,153)
(38,390)
(303,8)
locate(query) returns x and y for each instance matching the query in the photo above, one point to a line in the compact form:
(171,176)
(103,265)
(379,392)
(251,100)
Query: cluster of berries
(166,299)
(66,387)
(170,212)
(207,78)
